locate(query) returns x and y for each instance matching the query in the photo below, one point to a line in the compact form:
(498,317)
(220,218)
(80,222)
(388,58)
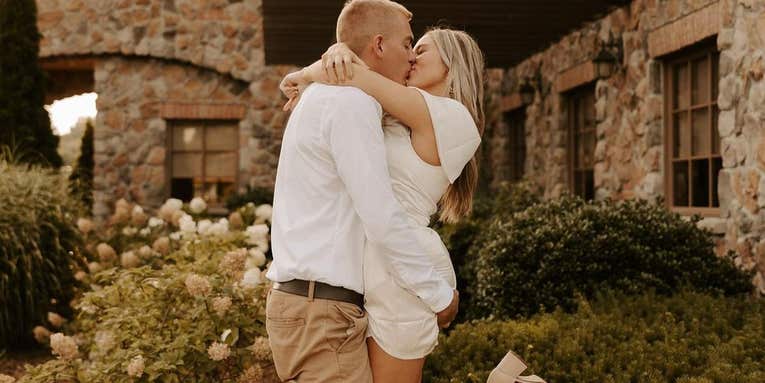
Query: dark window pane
(681,136)
(700,132)
(715,76)
(715,132)
(589,185)
(700,83)
(700,182)
(716,167)
(680,183)
(681,85)
(182,188)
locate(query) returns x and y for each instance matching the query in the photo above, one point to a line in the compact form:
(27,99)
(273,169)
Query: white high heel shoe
(509,371)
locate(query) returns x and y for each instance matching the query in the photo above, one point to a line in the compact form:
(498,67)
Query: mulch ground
(12,362)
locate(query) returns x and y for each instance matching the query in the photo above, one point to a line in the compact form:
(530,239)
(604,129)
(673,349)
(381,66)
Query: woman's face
(428,70)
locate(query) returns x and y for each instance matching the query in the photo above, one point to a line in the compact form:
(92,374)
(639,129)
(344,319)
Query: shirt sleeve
(356,142)
(457,136)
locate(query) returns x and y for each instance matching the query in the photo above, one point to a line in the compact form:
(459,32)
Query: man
(332,194)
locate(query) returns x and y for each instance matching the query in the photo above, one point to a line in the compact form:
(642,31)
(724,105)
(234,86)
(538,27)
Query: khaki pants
(317,340)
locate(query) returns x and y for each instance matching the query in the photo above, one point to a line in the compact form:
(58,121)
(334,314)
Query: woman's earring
(451,91)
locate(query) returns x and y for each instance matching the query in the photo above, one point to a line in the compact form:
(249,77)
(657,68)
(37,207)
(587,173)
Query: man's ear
(378,45)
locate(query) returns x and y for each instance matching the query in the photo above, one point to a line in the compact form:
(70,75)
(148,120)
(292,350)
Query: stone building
(680,116)
(605,98)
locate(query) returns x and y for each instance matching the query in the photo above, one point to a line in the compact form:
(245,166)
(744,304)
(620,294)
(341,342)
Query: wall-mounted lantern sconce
(531,85)
(527,92)
(609,58)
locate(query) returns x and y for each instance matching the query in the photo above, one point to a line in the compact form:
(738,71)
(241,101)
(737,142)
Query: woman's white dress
(399,321)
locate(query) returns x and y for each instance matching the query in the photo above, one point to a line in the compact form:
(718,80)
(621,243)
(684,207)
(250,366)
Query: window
(581,142)
(516,135)
(693,143)
(203,160)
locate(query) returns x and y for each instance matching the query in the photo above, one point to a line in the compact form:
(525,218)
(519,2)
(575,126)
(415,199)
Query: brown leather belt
(321,291)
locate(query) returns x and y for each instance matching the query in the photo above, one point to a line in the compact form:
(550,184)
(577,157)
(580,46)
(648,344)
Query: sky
(64,113)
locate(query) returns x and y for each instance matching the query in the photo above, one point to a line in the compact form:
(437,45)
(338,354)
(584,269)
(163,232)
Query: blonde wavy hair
(465,81)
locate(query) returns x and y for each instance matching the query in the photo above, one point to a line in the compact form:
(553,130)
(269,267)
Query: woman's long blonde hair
(465,63)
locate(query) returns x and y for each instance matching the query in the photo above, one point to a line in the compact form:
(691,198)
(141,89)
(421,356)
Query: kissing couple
(382,136)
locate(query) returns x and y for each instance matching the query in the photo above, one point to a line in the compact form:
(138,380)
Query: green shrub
(460,237)
(24,122)
(688,338)
(81,179)
(540,258)
(39,249)
(163,298)
(255,195)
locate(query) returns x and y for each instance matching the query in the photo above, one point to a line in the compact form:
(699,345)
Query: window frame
(205,124)
(571,142)
(708,49)
(515,120)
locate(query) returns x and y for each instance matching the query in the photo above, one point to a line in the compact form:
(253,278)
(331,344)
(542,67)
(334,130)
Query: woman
(431,135)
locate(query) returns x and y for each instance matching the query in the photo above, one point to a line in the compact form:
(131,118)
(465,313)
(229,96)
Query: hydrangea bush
(176,297)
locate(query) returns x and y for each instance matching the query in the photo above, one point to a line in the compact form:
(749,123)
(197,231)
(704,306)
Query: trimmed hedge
(687,338)
(539,259)
(39,249)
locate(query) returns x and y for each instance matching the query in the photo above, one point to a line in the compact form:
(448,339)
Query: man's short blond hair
(361,19)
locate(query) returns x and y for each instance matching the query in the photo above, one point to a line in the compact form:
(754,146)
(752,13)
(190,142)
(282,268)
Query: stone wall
(629,154)
(156,60)
(137,96)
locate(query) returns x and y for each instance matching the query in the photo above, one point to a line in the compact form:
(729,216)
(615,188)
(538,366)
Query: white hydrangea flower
(174,204)
(252,278)
(156,222)
(187,224)
(218,351)
(256,233)
(129,260)
(94,267)
(256,259)
(175,236)
(264,212)
(144,232)
(145,251)
(221,305)
(220,227)
(203,226)
(197,205)
(56,320)
(80,275)
(129,231)
(136,366)
(41,334)
(84,225)
(63,346)
(197,285)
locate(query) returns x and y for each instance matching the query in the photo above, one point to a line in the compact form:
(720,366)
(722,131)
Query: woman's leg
(387,369)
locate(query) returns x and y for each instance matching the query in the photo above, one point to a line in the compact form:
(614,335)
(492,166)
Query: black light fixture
(609,58)
(605,63)
(527,92)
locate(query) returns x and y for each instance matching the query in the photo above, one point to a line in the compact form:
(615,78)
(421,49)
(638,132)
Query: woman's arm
(404,103)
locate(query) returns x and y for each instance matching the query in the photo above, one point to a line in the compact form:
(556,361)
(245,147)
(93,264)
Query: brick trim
(685,31)
(575,76)
(201,111)
(511,102)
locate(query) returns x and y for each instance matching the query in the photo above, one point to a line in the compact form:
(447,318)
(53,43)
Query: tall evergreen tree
(24,122)
(81,179)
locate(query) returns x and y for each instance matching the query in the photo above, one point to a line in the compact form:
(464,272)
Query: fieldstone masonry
(629,153)
(159,60)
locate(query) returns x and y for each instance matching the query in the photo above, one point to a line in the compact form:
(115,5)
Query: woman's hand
(338,61)
(292,85)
